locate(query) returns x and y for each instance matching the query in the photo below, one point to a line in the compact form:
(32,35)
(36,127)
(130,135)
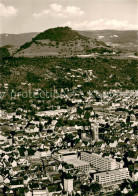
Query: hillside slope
(70,72)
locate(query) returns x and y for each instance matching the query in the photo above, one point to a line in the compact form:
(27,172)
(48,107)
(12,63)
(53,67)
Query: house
(39,193)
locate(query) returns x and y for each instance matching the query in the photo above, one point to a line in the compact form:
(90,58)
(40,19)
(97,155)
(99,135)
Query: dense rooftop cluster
(41,151)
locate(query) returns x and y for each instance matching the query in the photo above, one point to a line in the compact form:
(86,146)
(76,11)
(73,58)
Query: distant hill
(112,36)
(16,39)
(13,41)
(125,40)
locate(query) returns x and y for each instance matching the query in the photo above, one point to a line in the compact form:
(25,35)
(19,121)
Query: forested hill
(89,73)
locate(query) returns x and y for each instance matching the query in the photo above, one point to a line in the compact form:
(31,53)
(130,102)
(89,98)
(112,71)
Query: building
(64,155)
(79,164)
(112,177)
(100,163)
(39,193)
(68,185)
(71,158)
(95,128)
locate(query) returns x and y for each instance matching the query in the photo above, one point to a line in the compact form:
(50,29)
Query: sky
(22,16)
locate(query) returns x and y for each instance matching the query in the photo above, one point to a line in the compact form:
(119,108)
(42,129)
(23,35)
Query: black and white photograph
(68,97)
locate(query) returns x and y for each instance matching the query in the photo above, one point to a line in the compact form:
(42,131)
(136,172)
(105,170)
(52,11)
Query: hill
(16,39)
(13,41)
(127,40)
(107,36)
(60,41)
(113,36)
(124,40)
(78,75)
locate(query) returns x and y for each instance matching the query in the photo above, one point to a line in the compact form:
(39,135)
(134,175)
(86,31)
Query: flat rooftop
(112,172)
(76,162)
(67,151)
(98,155)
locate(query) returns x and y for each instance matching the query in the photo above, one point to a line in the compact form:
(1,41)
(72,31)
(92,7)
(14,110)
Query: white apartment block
(100,163)
(111,177)
(68,185)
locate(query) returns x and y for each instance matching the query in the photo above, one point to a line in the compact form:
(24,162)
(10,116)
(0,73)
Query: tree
(12,134)
(69,139)
(87,115)
(84,123)
(124,185)
(4,52)
(95,187)
(118,193)
(40,127)
(60,122)
(79,111)
(85,189)
(85,142)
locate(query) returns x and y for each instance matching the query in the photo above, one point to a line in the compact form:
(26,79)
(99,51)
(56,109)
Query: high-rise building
(100,163)
(68,185)
(112,177)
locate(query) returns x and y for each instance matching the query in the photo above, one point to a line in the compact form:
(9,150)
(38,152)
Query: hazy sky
(20,16)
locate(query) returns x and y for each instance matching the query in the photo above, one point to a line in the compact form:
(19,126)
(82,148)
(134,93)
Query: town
(68,98)
(85,147)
